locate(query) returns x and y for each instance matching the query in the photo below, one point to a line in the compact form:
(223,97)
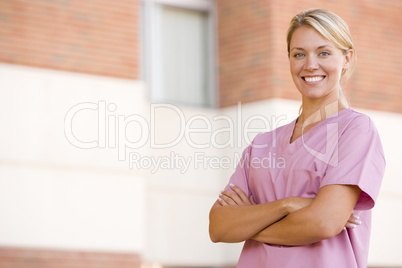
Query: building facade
(122,120)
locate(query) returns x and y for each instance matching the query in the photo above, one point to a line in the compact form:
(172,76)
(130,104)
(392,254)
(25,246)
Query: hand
(353,221)
(236,198)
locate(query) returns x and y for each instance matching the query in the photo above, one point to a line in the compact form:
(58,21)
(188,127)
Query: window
(178,51)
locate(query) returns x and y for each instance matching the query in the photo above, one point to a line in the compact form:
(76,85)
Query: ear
(348,59)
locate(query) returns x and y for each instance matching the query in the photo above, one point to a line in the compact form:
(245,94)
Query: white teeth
(314,79)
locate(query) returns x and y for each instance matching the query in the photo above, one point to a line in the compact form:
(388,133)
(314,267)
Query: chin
(317,97)
(313,96)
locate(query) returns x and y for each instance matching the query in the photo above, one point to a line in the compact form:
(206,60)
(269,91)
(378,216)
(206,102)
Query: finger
(350,225)
(233,196)
(355,219)
(222,202)
(228,199)
(252,200)
(241,194)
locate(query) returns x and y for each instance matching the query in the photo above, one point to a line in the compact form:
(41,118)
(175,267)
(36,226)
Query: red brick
(97,37)
(242,33)
(43,258)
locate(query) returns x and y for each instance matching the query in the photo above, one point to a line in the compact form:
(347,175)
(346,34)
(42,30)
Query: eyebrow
(320,47)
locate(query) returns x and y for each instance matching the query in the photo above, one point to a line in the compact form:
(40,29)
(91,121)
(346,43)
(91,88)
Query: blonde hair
(332,28)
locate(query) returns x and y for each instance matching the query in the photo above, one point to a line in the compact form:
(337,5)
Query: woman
(315,210)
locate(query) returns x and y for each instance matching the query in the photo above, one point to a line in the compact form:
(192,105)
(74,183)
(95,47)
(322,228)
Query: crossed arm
(290,221)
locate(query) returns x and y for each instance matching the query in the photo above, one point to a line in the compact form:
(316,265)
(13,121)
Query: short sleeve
(360,161)
(241,174)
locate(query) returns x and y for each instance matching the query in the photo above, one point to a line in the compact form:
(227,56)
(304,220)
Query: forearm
(323,219)
(237,223)
(298,228)
(307,220)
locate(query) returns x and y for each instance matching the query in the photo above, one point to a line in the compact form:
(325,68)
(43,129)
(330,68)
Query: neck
(315,112)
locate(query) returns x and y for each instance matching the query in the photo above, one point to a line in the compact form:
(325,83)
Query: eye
(324,54)
(298,55)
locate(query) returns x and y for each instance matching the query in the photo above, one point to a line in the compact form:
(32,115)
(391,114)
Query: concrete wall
(54,194)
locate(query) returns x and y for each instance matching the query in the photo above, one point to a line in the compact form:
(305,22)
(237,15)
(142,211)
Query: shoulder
(358,129)
(357,122)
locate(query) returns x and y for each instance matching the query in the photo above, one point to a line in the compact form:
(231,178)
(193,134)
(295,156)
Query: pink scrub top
(345,149)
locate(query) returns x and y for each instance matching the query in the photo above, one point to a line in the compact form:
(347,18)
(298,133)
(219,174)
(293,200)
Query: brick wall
(40,258)
(96,37)
(102,37)
(244,38)
(253,62)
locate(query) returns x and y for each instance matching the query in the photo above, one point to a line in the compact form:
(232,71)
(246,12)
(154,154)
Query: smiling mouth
(313,78)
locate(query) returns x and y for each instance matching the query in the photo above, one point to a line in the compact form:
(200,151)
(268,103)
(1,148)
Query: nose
(311,63)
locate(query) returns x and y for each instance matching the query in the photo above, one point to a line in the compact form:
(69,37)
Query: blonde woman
(315,210)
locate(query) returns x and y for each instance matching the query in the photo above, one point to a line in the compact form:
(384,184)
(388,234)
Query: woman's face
(316,64)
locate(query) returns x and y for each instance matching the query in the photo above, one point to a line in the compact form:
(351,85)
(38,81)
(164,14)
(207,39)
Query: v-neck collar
(290,148)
